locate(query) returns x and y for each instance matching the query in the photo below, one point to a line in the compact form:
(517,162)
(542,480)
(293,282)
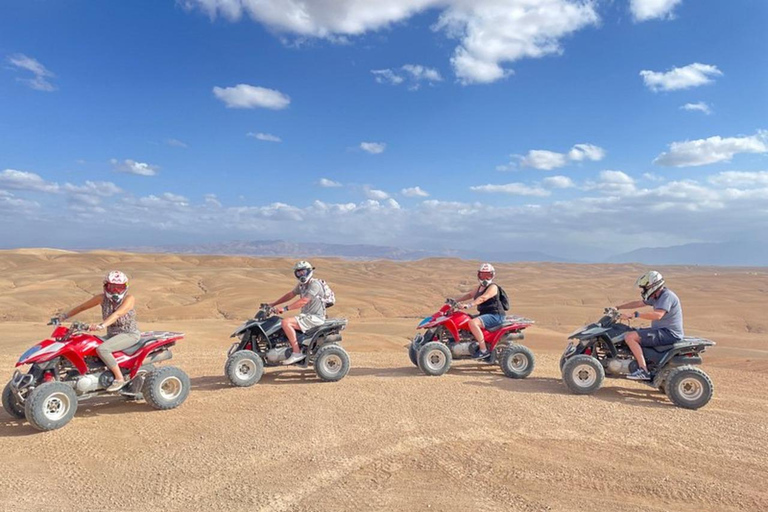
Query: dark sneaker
(639,374)
(480,355)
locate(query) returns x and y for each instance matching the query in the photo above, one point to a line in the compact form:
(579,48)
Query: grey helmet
(649,283)
(303,271)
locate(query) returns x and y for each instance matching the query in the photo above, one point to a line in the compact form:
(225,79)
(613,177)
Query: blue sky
(577,128)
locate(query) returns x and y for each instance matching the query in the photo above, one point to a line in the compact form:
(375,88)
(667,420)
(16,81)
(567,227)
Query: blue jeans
(490,321)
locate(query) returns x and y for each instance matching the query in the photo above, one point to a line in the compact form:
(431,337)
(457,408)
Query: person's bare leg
(633,342)
(289,328)
(476,326)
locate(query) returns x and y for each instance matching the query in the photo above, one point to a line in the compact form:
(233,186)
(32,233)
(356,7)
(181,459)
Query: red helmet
(115,286)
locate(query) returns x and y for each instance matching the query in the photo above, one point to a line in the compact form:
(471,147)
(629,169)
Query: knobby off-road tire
(434,358)
(11,404)
(166,388)
(689,387)
(244,368)
(517,361)
(331,363)
(413,355)
(583,375)
(50,406)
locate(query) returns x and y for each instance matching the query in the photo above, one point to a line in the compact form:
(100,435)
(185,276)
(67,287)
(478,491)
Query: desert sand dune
(386,437)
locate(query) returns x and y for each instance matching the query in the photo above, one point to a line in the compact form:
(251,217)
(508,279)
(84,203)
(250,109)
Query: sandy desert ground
(387,437)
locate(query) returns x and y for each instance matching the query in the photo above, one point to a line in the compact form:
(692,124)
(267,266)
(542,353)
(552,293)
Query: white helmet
(649,283)
(486,273)
(303,271)
(115,286)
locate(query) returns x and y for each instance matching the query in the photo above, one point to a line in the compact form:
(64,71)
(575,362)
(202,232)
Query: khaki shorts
(307,322)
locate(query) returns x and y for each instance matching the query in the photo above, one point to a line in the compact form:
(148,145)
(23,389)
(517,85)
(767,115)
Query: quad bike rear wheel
(11,404)
(331,363)
(166,388)
(583,375)
(434,358)
(689,387)
(244,368)
(50,406)
(517,361)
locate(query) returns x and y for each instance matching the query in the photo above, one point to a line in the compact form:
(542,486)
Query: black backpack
(503,298)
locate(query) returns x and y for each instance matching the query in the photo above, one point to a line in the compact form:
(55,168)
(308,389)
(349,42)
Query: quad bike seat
(149,337)
(510,320)
(329,323)
(687,341)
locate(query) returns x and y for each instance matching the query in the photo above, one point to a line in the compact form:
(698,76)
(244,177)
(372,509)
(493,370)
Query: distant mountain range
(354,251)
(746,254)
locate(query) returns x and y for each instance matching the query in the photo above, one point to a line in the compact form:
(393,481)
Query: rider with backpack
(314,297)
(492,303)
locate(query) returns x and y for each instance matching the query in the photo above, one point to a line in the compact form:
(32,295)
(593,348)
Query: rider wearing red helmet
(119,318)
(487,298)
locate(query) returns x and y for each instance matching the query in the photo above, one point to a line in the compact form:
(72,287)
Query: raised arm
(632,305)
(489,292)
(90,303)
(285,298)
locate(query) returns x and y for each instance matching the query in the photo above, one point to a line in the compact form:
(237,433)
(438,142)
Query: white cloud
(41,74)
(616,183)
(268,137)
(375,194)
(373,148)
(133,167)
(692,75)
(546,160)
(558,182)
(740,179)
(250,96)
(712,150)
(652,177)
(414,192)
(644,10)
(494,32)
(176,143)
(23,180)
(543,160)
(326,183)
(581,152)
(212,200)
(515,189)
(98,188)
(414,74)
(697,107)
(489,32)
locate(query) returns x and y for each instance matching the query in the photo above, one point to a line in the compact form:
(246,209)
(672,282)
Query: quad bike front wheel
(689,387)
(583,374)
(434,358)
(166,388)
(517,361)
(11,404)
(413,355)
(50,406)
(244,368)
(331,363)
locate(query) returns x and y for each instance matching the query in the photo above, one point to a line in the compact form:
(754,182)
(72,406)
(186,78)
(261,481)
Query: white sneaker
(295,358)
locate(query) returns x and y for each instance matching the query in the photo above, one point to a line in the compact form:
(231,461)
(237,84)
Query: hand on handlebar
(95,327)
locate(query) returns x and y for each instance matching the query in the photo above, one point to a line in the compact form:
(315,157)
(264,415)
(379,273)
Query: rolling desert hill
(387,437)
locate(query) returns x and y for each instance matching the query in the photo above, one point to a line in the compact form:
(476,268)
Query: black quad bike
(262,342)
(598,350)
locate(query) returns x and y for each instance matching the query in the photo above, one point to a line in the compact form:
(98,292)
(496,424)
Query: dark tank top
(493,305)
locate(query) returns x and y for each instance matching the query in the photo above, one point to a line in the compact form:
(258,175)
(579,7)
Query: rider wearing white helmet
(310,292)
(487,298)
(666,320)
(119,318)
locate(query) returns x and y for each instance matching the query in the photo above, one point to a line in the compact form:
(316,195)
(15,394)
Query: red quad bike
(65,370)
(448,337)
